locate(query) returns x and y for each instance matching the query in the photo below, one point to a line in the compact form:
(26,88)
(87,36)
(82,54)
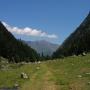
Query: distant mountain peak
(43,40)
(43,46)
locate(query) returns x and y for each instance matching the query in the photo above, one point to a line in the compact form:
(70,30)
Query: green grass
(59,74)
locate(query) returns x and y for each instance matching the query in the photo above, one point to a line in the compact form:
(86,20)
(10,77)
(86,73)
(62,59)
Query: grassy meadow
(71,73)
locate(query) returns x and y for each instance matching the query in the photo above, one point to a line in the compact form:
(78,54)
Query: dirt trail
(48,84)
(41,80)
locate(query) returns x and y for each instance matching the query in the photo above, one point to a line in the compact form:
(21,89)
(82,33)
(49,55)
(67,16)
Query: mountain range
(43,47)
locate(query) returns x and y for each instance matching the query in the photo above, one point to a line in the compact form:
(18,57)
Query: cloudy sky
(30,32)
(51,20)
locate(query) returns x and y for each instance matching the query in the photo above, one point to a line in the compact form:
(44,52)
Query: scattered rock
(39,62)
(16,85)
(74,55)
(83,54)
(23,63)
(4,67)
(79,76)
(24,75)
(72,64)
(80,55)
(88,83)
(38,68)
(88,73)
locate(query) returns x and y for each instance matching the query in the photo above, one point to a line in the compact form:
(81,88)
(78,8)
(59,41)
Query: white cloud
(29,31)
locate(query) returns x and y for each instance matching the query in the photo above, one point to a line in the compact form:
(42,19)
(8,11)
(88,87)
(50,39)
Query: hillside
(13,49)
(78,42)
(71,73)
(43,46)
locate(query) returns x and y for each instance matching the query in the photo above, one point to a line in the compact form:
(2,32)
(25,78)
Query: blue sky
(53,18)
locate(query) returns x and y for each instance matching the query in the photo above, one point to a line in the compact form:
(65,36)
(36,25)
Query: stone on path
(24,75)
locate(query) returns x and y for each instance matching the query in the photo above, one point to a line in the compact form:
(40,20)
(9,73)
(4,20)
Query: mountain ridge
(78,41)
(43,46)
(13,49)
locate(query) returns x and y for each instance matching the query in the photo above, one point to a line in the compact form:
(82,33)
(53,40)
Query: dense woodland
(15,50)
(78,42)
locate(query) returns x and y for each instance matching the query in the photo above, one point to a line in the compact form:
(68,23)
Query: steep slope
(43,46)
(14,49)
(77,42)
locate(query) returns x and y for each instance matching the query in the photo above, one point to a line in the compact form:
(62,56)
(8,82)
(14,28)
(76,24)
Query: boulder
(38,68)
(79,76)
(39,62)
(88,83)
(83,54)
(24,75)
(88,73)
(16,85)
